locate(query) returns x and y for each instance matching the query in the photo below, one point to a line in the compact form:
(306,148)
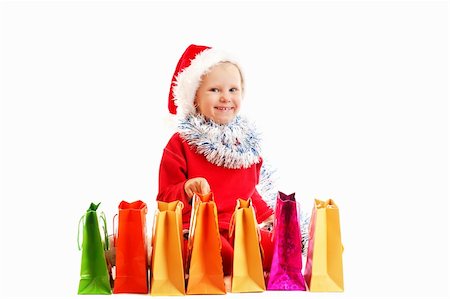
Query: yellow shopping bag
(323,272)
(247,273)
(167,269)
(204,262)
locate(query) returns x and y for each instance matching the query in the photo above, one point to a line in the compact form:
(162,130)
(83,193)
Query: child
(214,148)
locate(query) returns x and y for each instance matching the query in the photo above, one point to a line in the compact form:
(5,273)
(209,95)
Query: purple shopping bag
(286,269)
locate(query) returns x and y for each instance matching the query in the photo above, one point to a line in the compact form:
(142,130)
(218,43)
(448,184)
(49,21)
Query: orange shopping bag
(248,273)
(204,262)
(167,275)
(323,271)
(131,249)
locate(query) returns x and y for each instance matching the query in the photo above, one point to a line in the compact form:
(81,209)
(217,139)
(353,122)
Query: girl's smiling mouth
(224,108)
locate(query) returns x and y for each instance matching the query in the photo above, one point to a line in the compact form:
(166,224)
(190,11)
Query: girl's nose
(225,97)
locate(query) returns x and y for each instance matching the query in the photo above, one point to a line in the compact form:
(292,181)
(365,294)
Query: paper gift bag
(247,275)
(167,275)
(131,249)
(323,271)
(94,275)
(204,262)
(286,269)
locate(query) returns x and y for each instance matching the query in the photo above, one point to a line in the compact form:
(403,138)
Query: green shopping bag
(94,275)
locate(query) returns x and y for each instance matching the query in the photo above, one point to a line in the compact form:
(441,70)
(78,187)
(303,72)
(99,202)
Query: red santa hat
(193,64)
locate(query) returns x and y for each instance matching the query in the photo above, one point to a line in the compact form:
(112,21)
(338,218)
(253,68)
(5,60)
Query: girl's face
(219,95)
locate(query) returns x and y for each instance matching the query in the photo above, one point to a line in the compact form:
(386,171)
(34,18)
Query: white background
(351,98)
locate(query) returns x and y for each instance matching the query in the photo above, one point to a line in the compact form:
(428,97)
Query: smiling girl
(214,149)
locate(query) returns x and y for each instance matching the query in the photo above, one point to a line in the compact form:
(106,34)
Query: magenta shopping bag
(286,269)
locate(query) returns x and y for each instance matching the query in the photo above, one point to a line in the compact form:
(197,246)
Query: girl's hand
(198,185)
(268,223)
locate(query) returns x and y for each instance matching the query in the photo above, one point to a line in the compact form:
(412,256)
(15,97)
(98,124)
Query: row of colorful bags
(200,272)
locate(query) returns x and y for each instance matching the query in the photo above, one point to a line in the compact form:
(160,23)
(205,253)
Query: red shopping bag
(131,249)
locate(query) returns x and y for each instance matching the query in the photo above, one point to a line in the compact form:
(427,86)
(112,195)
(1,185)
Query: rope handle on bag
(258,229)
(78,235)
(233,220)
(216,218)
(193,220)
(231,227)
(180,208)
(105,230)
(258,232)
(192,223)
(114,231)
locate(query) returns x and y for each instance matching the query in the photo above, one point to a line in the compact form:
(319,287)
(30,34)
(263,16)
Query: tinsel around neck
(234,145)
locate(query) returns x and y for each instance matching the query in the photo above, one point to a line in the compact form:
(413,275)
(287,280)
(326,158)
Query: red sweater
(180,162)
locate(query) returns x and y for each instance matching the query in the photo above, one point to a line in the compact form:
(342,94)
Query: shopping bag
(286,269)
(204,261)
(94,275)
(324,271)
(167,269)
(247,275)
(131,249)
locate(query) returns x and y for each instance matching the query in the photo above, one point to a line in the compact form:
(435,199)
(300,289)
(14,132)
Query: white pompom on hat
(193,64)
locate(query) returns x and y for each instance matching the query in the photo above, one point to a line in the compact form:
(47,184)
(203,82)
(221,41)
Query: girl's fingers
(204,186)
(198,185)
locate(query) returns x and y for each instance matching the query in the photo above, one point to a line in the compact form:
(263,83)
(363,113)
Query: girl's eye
(214,90)
(234,89)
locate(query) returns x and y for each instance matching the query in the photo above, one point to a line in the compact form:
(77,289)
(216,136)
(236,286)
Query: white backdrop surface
(351,98)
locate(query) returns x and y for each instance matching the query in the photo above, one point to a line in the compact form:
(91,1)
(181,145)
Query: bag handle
(258,232)
(114,230)
(216,219)
(233,220)
(78,235)
(105,230)
(179,219)
(192,222)
(258,229)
